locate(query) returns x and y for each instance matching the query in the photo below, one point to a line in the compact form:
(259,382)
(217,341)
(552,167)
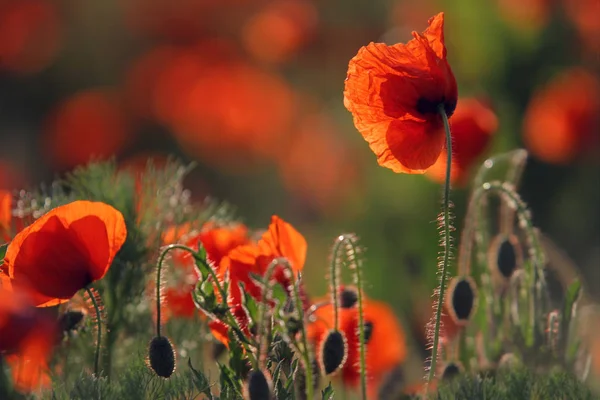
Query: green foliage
(515,384)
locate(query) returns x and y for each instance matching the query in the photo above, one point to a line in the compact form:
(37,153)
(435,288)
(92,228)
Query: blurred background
(252,91)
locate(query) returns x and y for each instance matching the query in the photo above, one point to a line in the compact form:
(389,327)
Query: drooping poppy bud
(505,256)
(333,352)
(451,370)
(258,386)
(462,296)
(161,356)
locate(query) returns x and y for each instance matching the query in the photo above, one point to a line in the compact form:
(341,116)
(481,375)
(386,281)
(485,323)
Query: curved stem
(334,277)
(231,320)
(446,242)
(306,352)
(361,331)
(99,321)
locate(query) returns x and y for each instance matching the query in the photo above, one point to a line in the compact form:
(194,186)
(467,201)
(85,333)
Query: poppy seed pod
(461,300)
(334,351)
(161,356)
(505,256)
(451,370)
(348,297)
(258,386)
(71,320)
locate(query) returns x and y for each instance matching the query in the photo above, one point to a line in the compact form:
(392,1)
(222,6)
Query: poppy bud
(451,370)
(161,356)
(258,386)
(505,255)
(462,295)
(348,297)
(334,351)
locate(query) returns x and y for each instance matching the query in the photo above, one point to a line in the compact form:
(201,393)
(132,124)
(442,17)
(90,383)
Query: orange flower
(5,215)
(393,93)
(65,250)
(26,338)
(280,240)
(218,241)
(472,124)
(562,118)
(386,347)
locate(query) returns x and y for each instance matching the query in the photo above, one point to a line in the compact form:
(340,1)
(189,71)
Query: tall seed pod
(505,256)
(462,299)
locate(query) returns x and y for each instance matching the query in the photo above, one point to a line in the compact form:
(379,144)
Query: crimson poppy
(65,250)
(26,339)
(394,92)
(280,240)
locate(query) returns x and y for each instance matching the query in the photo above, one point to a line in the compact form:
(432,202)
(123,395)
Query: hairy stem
(334,276)
(99,338)
(231,320)
(446,242)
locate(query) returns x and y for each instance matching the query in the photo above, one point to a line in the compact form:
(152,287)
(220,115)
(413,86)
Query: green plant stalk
(333,276)
(361,334)
(230,318)
(99,338)
(305,353)
(446,259)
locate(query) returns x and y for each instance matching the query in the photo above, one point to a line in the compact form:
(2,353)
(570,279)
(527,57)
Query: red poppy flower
(386,347)
(65,250)
(473,125)
(393,93)
(26,339)
(562,118)
(218,241)
(5,214)
(280,240)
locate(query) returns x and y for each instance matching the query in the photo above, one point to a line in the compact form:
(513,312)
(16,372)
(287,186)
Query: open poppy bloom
(385,340)
(26,340)
(64,251)
(218,241)
(280,240)
(394,92)
(472,125)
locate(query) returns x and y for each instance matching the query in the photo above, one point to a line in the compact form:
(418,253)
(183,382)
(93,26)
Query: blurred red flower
(393,93)
(584,14)
(64,251)
(386,344)
(26,339)
(279,30)
(95,115)
(31,35)
(525,14)
(326,178)
(562,120)
(472,126)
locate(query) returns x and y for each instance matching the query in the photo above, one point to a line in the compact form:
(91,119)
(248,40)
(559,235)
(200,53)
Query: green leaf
(327,393)
(200,381)
(571,297)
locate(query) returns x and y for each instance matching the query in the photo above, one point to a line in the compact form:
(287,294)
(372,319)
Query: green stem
(230,318)
(446,257)
(99,321)
(333,276)
(306,352)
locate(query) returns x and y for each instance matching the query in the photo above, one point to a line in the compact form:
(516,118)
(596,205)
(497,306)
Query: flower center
(426,106)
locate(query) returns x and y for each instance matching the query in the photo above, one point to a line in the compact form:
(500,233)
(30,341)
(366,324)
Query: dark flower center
(426,106)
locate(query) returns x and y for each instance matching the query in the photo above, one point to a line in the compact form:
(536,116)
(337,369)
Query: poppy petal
(66,249)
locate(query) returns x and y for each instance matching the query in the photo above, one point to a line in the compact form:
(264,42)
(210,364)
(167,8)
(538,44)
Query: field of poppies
(299,199)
